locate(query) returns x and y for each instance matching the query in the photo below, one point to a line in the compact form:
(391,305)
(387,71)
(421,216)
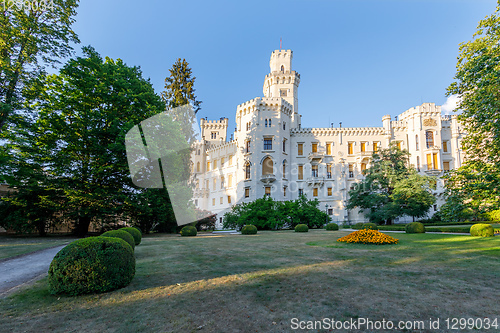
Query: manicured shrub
(332,226)
(92,265)
(358,226)
(188,230)
(482,230)
(369,226)
(415,228)
(121,234)
(249,230)
(301,228)
(134,233)
(368,236)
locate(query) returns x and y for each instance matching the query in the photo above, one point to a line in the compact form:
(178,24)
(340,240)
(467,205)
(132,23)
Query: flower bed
(367,236)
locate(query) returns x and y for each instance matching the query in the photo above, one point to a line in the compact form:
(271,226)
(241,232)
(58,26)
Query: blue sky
(358,59)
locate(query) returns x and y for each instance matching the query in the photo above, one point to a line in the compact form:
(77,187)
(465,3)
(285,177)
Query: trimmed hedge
(482,230)
(189,230)
(301,228)
(92,265)
(134,233)
(121,234)
(464,230)
(391,227)
(332,226)
(415,228)
(369,226)
(249,230)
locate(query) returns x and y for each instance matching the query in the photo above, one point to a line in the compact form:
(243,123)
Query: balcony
(200,192)
(316,181)
(267,179)
(433,172)
(317,156)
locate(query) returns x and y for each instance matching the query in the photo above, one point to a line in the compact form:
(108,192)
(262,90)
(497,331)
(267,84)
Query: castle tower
(214,131)
(283,82)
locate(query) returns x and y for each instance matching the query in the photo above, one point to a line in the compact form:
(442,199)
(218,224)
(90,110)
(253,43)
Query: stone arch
(267,166)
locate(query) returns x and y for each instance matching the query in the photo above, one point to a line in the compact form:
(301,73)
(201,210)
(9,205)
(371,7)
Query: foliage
(482,230)
(188,230)
(493,215)
(476,184)
(153,211)
(368,225)
(391,189)
(249,230)
(29,41)
(301,228)
(267,214)
(358,225)
(205,223)
(415,228)
(71,137)
(332,226)
(134,232)
(367,236)
(92,265)
(122,234)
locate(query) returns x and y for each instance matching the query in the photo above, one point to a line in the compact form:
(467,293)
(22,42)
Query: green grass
(11,246)
(234,283)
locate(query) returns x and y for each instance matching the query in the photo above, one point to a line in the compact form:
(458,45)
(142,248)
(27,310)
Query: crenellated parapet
(347,131)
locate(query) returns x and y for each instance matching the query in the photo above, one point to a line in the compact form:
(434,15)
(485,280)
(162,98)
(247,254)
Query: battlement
(223,145)
(339,130)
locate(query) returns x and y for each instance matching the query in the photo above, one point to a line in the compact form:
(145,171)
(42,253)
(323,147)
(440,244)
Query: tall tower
(283,82)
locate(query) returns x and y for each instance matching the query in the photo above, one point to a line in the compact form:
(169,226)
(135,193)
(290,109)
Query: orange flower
(367,236)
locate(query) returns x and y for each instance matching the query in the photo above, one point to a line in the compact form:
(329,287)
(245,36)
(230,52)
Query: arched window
(284,169)
(284,125)
(247,170)
(267,166)
(269,122)
(199,153)
(416,142)
(198,167)
(282,68)
(265,123)
(429,139)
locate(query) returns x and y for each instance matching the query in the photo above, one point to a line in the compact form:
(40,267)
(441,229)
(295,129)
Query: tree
(75,134)
(476,184)
(387,190)
(30,39)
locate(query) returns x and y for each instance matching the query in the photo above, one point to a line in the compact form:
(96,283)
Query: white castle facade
(272,154)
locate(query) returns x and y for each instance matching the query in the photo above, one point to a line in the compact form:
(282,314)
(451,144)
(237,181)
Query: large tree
(477,82)
(31,38)
(75,136)
(391,189)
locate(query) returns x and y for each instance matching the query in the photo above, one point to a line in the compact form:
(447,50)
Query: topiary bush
(121,234)
(415,228)
(482,230)
(369,226)
(136,234)
(188,230)
(249,230)
(92,265)
(301,228)
(332,226)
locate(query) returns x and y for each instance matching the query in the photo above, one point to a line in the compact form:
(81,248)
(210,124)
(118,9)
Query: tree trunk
(82,226)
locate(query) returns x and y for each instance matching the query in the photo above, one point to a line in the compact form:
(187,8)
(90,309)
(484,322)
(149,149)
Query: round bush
(188,230)
(482,230)
(249,230)
(358,226)
(415,228)
(369,226)
(332,226)
(301,228)
(134,233)
(92,265)
(121,234)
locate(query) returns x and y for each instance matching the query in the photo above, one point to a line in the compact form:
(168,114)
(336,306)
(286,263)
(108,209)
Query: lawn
(258,283)
(11,246)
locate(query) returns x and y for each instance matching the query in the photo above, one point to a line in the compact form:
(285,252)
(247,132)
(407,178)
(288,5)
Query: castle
(270,153)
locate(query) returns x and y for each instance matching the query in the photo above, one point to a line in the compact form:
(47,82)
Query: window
(282,69)
(221,200)
(207,183)
(284,145)
(314,147)
(330,192)
(429,161)
(248,146)
(301,172)
(435,207)
(349,148)
(268,144)
(213,202)
(247,170)
(398,144)
(330,211)
(198,167)
(314,170)
(328,148)
(446,166)
(197,184)
(221,182)
(229,180)
(284,169)
(435,161)
(222,160)
(328,171)
(375,147)
(268,190)
(418,163)
(351,171)
(228,199)
(445,146)
(230,160)
(215,164)
(283,92)
(208,166)
(265,122)
(249,124)
(363,168)
(284,126)
(429,139)
(267,166)
(269,122)
(301,192)
(416,143)
(284,191)
(215,184)
(247,192)
(300,150)
(363,146)
(315,192)
(213,135)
